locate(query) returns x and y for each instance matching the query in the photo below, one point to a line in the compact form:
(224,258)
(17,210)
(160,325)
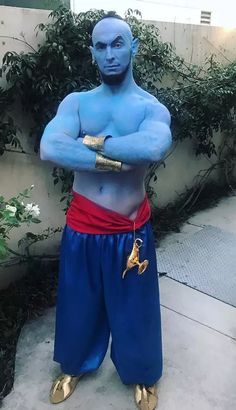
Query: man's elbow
(43,155)
(45,150)
(168,142)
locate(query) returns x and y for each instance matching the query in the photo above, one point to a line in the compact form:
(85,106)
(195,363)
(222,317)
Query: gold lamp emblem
(133,259)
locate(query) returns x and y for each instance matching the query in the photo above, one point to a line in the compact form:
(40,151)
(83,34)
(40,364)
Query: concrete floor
(199,341)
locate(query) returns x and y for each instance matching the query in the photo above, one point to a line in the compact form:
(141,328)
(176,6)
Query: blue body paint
(138,123)
(93,299)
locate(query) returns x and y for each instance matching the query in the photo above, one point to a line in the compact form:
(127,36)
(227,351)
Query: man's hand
(127,167)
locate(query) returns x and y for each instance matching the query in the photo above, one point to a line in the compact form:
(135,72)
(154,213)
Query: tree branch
(22,41)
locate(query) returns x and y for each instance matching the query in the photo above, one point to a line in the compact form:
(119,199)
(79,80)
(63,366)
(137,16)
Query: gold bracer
(107,164)
(95,143)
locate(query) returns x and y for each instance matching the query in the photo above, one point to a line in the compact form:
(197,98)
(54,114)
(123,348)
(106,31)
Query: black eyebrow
(118,38)
(101,44)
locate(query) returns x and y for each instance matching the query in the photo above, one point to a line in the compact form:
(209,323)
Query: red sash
(86,216)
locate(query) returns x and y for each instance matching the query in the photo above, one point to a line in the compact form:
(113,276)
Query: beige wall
(195,43)
(15,21)
(18,171)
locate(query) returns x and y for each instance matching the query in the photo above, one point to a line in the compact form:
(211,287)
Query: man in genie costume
(108,281)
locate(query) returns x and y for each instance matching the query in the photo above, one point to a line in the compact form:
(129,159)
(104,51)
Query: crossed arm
(61,145)
(149,144)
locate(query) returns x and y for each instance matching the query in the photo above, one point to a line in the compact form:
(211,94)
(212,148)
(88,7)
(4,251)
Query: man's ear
(92,53)
(134,47)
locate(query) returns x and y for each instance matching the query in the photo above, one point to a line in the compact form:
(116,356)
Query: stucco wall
(195,43)
(18,171)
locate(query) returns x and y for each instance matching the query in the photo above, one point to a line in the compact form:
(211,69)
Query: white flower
(29,207)
(32,209)
(36,210)
(11,209)
(32,186)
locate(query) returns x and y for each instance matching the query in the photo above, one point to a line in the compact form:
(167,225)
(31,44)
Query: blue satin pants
(94,302)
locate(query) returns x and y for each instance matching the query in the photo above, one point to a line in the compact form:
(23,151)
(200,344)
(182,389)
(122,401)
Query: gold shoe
(63,387)
(145,397)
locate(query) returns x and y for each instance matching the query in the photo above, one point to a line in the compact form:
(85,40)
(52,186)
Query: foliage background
(35,4)
(201,99)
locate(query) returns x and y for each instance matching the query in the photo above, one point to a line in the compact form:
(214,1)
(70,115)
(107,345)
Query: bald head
(113,49)
(106,25)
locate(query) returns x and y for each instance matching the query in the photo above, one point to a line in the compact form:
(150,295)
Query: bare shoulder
(154,109)
(69,103)
(158,111)
(75,100)
(75,97)
(85,95)
(72,97)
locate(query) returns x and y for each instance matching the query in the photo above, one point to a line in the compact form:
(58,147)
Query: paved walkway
(199,339)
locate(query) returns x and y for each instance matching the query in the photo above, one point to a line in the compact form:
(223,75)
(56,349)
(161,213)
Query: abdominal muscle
(120,192)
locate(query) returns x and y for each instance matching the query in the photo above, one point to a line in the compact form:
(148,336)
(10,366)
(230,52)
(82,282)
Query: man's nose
(109,54)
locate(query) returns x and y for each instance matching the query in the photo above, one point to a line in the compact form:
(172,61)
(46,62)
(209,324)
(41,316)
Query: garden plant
(201,99)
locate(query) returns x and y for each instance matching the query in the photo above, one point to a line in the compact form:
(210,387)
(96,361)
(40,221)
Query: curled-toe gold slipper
(146,397)
(63,387)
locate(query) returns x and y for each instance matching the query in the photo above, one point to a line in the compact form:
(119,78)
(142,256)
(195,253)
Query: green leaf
(30,235)
(35,220)
(3,250)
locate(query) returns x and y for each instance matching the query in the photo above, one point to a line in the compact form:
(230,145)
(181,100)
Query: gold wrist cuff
(94,143)
(107,164)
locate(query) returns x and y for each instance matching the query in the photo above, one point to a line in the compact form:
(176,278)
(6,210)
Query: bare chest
(111,116)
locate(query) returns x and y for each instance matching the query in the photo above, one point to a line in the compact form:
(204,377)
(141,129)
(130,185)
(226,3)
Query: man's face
(112,49)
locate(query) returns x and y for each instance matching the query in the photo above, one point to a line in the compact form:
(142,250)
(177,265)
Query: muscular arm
(60,143)
(148,144)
